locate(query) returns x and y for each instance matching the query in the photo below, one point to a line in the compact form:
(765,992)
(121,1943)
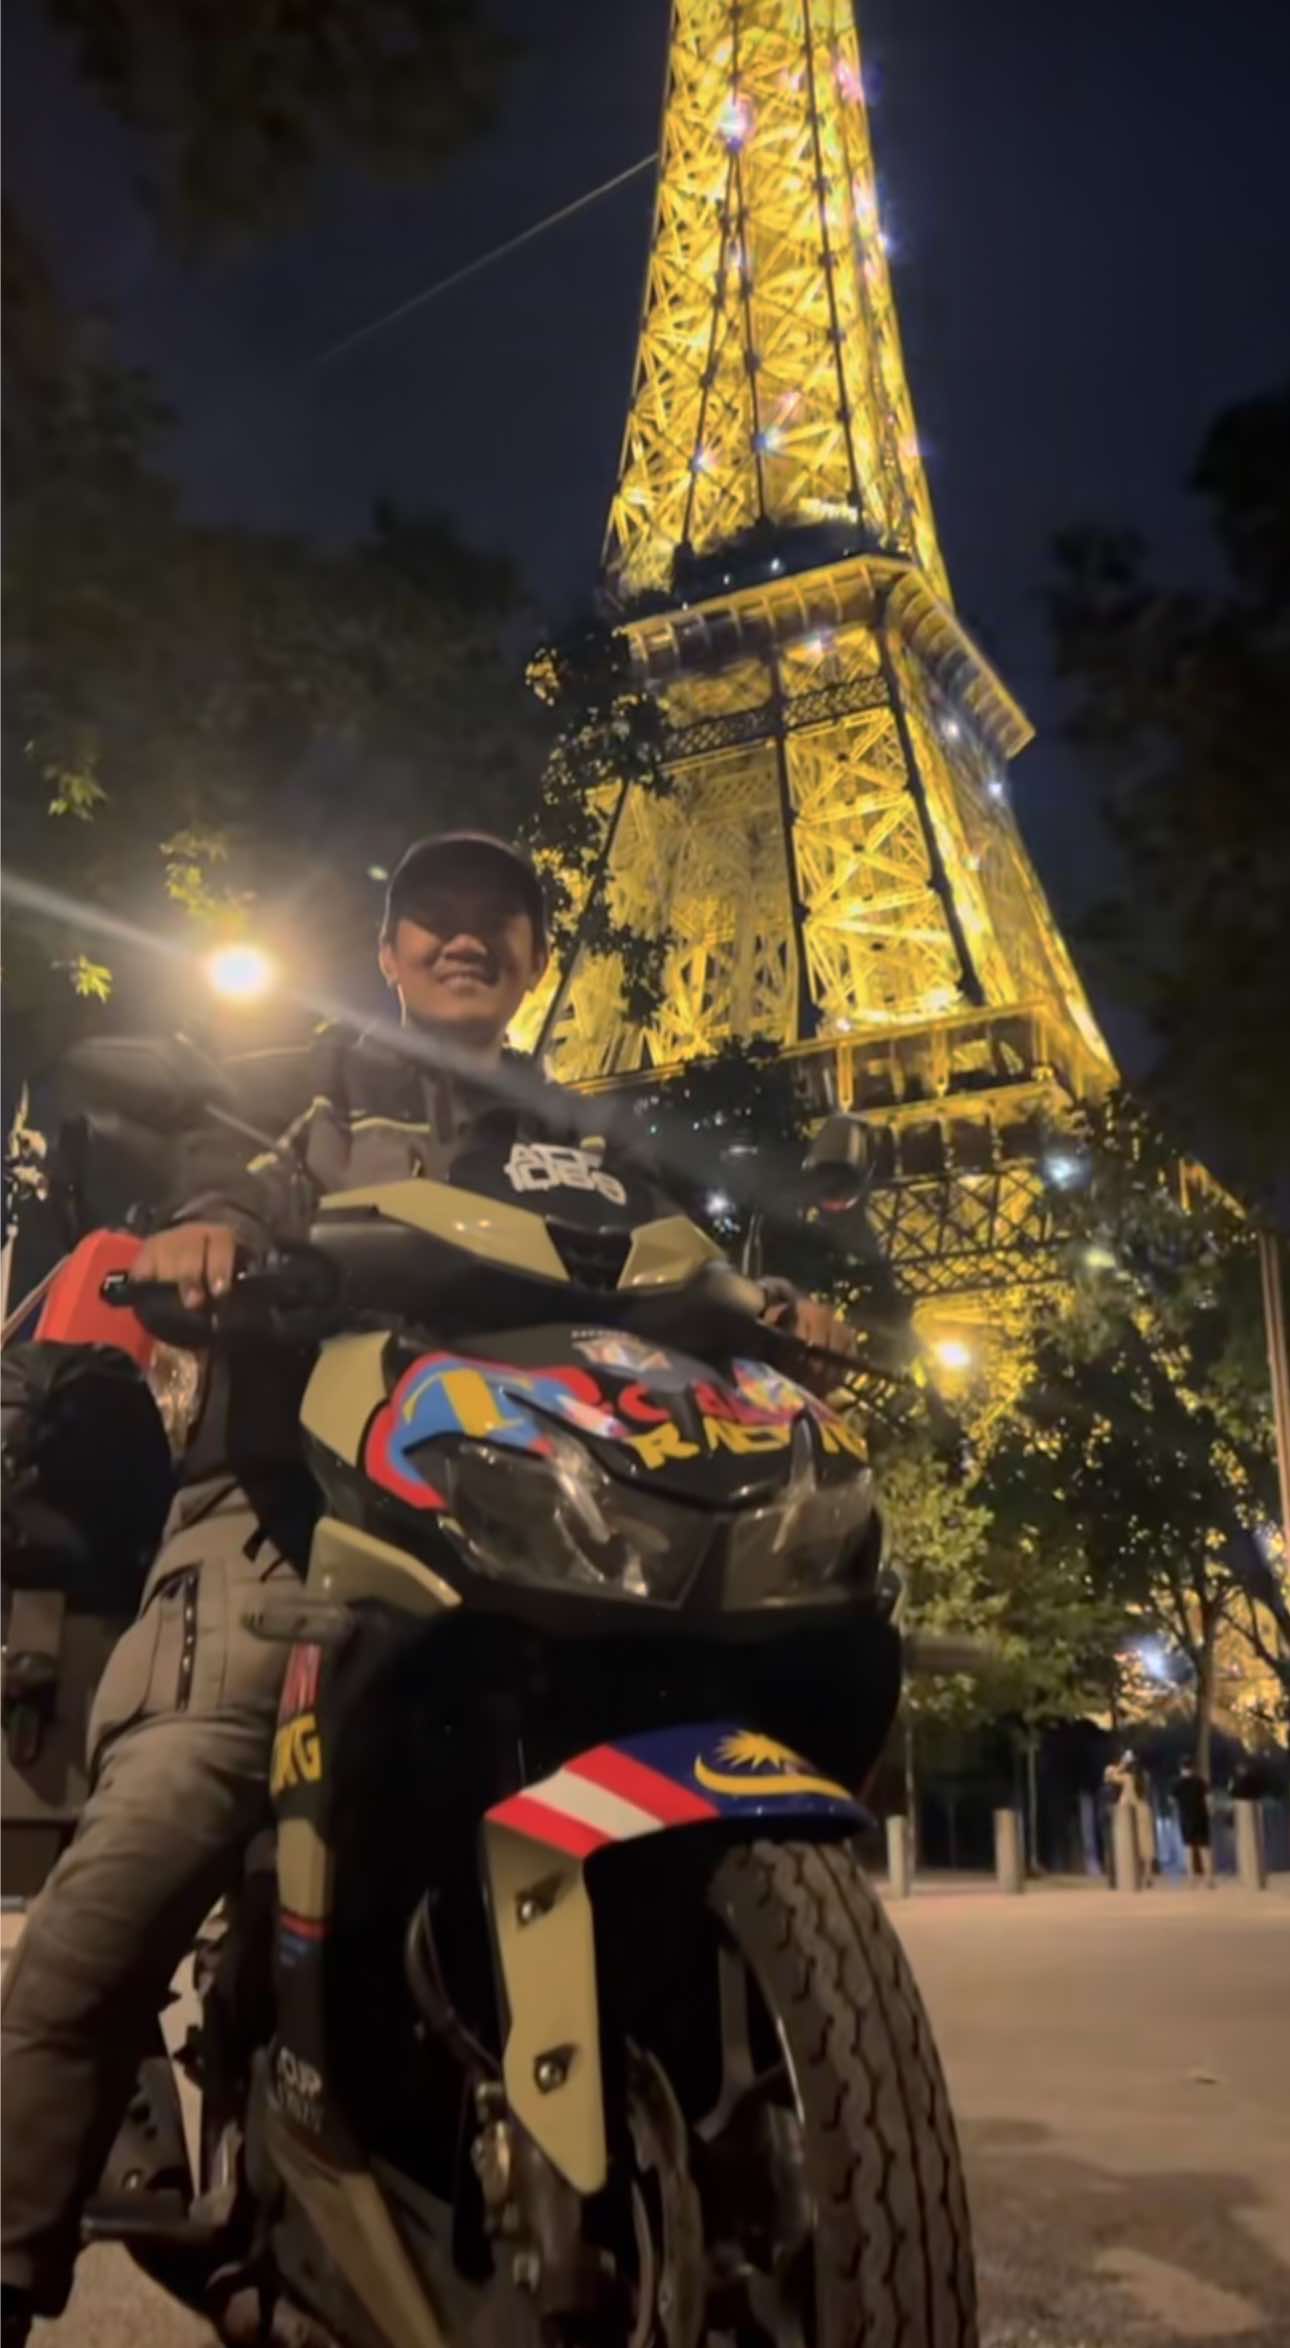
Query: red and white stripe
(604,1796)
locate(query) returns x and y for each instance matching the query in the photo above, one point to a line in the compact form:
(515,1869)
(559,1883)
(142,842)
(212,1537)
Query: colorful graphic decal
(297,1755)
(754,1764)
(448,1394)
(299,1936)
(300,1680)
(769,1391)
(297,1747)
(665,1408)
(617,1349)
(670,1777)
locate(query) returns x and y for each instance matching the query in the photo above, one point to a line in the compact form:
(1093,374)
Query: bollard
(1251,1859)
(1009,1870)
(1124,1832)
(898,1870)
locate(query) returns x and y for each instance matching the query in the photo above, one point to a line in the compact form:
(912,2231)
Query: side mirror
(839,1165)
(162,1082)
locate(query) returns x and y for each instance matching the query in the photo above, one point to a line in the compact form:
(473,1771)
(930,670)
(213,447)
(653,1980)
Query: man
(1191,1799)
(183,1722)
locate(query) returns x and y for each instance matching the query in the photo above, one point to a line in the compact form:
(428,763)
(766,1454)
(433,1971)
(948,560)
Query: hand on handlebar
(197,1257)
(815,1324)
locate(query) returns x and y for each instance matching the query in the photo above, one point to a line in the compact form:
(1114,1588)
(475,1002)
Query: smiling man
(464,937)
(462,943)
(183,1722)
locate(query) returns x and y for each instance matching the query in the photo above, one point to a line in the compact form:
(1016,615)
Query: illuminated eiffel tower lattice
(838,865)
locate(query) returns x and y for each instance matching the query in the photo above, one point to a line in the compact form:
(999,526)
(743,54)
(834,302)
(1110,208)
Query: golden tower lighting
(838,866)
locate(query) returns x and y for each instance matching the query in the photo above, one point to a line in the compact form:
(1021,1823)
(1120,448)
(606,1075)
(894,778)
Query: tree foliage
(609,741)
(198,718)
(238,110)
(1183,705)
(938,1541)
(168,685)
(1141,1446)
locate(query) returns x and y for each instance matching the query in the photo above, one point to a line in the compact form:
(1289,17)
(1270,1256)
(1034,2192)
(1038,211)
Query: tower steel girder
(836,864)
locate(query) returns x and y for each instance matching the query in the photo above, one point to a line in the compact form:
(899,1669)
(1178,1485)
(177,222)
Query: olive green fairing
(663,1252)
(667,1252)
(486,1227)
(345,1564)
(347,1385)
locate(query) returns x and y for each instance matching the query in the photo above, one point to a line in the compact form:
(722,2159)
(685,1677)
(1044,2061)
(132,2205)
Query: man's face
(463,957)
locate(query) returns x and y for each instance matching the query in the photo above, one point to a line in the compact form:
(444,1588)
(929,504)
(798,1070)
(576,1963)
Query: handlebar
(291,1297)
(296,1295)
(293,1281)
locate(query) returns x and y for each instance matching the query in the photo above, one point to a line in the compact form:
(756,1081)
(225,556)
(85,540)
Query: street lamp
(241,973)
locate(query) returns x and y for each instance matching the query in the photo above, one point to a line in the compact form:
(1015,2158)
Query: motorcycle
(561,2009)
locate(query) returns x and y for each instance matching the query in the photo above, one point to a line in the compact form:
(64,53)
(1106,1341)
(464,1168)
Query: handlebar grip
(287,1298)
(157,1305)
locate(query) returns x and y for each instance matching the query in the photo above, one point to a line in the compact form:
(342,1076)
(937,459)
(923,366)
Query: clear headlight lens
(560,1521)
(805,1539)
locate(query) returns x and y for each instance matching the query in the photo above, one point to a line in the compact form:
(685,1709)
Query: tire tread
(893,2251)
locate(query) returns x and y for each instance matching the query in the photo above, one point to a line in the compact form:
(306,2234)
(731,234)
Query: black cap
(436,858)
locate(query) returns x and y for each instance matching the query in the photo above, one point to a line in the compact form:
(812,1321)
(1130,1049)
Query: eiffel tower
(837,865)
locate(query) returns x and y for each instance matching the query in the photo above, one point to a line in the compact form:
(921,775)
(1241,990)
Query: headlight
(560,1521)
(812,1536)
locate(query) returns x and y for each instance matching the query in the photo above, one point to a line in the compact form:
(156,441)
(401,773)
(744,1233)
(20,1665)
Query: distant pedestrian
(1191,1798)
(1133,1793)
(1108,1794)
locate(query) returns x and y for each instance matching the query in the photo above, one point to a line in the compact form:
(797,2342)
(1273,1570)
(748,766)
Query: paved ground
(1121,2070)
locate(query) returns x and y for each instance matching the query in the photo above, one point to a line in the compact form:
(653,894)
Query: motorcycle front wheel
(811,2194)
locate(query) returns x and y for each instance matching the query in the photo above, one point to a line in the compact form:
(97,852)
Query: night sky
(1088,211)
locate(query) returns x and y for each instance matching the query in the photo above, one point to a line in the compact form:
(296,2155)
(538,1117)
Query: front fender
(536,1844)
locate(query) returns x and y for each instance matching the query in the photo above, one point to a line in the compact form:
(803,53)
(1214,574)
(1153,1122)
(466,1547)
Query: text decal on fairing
(299,2090)
(539,1165)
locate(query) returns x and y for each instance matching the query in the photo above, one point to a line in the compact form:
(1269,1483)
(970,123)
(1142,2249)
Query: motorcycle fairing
(535,1846)
(651,1415)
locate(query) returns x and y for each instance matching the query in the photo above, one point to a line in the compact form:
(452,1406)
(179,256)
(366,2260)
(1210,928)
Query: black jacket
(350,1110)
(1191,1795)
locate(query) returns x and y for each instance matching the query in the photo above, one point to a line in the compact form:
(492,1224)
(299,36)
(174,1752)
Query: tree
(1059,1629)
(197,718)
(937,1543)
(164,682)
(608,741)
(1143,1431)
(1183,706)
(238,110)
